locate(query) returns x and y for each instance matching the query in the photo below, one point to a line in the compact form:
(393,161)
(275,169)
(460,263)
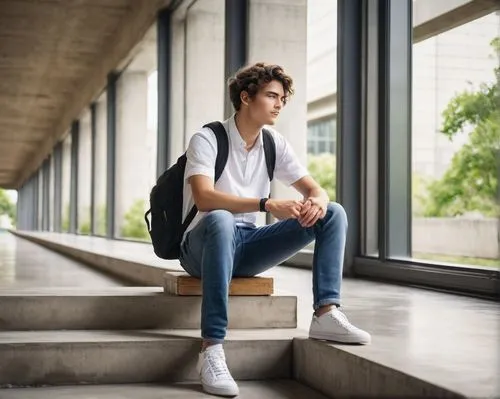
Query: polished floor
(449,340)
(27,265)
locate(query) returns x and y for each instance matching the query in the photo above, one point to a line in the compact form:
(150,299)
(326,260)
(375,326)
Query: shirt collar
(235,137)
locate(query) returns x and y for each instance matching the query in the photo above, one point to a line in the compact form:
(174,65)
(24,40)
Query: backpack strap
(220,162)
(269,152)
(222,147)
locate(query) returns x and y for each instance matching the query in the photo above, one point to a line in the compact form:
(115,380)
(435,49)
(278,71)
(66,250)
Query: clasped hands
(307,212)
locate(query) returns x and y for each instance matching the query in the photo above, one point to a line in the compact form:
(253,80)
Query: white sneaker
(215,376)
(334,326)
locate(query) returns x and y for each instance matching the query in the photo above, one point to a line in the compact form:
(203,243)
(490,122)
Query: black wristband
(262,204)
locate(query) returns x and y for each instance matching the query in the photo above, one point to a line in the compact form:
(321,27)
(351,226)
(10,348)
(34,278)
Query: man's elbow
(202,202)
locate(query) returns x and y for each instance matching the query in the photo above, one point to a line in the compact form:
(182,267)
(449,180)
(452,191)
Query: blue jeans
(216,250)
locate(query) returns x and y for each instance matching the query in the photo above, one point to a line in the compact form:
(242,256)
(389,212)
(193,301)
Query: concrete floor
(452,341)
(27,265)
(279,389)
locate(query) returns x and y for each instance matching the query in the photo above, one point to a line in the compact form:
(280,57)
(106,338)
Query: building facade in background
(444,65)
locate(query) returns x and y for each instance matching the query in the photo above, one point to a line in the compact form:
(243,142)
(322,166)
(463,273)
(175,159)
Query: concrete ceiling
(54,59)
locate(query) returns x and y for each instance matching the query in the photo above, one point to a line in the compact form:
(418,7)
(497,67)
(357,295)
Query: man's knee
(220,220)
(336,211)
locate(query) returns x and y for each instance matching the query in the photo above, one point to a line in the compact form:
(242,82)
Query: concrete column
(278,34)
(66,183)
(84,169)
(100,167)
(205,84)
(52,192)
(198,83)
(133,146)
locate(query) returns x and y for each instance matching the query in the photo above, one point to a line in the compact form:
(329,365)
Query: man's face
(265,107)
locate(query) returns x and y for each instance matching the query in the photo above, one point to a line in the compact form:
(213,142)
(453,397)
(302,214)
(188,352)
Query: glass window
(322,93)
(456,132)
(84,169)
(136,140)
(40,200)
(100,170)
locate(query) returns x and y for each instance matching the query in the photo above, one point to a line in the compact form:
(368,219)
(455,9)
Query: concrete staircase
(137,335)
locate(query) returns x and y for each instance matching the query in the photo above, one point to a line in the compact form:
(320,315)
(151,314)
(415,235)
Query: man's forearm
(317,192)
(214,199)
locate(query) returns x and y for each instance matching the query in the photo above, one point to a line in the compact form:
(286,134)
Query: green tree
(322,168)
(471,181)
(134,225)
(7,206)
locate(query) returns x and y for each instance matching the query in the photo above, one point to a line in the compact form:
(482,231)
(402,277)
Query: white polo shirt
(245,174)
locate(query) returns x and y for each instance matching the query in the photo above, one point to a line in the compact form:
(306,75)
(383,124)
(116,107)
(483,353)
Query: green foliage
(322,168)
(7,206)
(420,193)
(134,225)
(101,220)
(471,182)
(84,227)
(65,219)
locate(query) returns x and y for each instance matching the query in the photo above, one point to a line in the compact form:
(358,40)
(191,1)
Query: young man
(223,242)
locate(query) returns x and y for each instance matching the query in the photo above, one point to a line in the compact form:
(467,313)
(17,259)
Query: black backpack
(166,198)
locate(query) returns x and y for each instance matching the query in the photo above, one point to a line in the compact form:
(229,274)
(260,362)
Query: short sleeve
(201,155)
(288,167)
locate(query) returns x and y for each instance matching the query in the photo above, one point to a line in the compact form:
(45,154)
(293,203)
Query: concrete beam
(431,17)
(132,29)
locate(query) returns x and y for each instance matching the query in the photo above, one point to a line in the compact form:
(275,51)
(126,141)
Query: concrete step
(276,389)
(135,356)
(130,308)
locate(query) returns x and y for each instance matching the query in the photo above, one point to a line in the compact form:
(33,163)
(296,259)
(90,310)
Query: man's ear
(244,97)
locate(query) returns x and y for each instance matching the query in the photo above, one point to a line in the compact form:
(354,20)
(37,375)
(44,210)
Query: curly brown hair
(252,78)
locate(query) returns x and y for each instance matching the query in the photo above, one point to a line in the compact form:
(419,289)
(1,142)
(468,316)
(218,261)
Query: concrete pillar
(205,84)
(278,34)
(198,83)
(84,169)
(100,167)
(39,199)
(66,183)
(135,147)
(51,193)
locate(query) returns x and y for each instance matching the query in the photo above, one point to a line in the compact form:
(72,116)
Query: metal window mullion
(349,109)
(236,43)
(111,154)
(73,202)
(93,180)
(164,49)
(395,41)
(369,167)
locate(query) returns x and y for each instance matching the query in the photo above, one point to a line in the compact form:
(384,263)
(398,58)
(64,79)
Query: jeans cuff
(327,301)
(214,341)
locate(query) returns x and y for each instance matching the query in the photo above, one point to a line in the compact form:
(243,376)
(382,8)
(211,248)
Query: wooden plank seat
(180,283)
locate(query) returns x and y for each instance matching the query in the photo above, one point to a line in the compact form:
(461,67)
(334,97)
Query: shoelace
(340,318)
(218,364)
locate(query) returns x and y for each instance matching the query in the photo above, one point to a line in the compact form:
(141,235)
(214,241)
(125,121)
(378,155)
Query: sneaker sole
(340,339)
(220,391)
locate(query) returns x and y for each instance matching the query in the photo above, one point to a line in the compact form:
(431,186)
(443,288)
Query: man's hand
(284,209)
(313,209)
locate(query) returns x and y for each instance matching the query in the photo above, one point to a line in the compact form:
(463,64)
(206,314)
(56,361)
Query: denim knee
(220,221)
(336,211)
